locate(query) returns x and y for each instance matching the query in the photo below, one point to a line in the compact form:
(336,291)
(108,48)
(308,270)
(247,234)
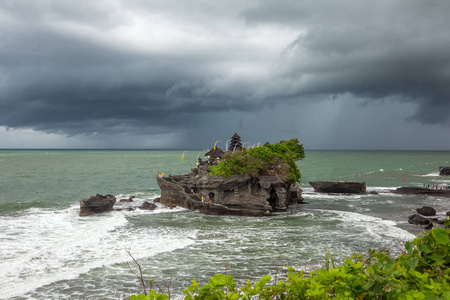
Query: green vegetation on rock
(422,271)
(276,158)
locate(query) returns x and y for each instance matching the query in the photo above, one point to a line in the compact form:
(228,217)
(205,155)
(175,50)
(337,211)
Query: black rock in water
(148,206)
(96,204)
(426,211)
(347,187)
(429,226)
(411,190)
(444,171)
(130,199)
(418,220)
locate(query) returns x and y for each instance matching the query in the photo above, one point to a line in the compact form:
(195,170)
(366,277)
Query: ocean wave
(132,208)
(441,180)
(374,227)
(434,174)
(150,195)
(44,246)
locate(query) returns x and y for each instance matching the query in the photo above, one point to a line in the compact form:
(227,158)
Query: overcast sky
(183,74)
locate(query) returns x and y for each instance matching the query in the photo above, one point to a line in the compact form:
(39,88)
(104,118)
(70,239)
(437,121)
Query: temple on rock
(233,195)
(215,155)
(235,143)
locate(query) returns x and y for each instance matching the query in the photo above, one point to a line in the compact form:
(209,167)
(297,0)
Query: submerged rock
(418,220)
(429,226)
(130,199)
(148,206)
(96,204)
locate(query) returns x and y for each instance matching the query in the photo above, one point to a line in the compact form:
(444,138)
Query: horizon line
(193,149)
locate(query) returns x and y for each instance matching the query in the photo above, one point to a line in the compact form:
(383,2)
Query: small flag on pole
(182,157)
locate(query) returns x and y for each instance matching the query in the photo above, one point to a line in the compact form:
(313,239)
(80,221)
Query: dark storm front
(48,251)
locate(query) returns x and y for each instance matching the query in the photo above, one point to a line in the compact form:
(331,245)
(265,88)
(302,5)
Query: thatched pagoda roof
(215,153)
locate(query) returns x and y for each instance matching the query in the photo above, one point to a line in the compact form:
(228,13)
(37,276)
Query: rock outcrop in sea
(426,211)
(343,187)
(421,218)
(96,204)
(412,190)
(444,171)
(237,194)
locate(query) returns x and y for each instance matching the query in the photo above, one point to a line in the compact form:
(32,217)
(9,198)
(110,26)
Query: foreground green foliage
(422,271)
(276,158)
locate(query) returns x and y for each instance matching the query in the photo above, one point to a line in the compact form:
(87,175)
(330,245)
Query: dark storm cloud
(60,82)
(373,50)
(156,66)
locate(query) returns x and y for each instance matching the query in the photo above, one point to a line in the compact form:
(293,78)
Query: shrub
(422,271)
(279,158)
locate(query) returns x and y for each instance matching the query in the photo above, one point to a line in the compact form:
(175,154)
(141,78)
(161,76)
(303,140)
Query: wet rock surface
(148,206)
(418,220)
(411,190)
(428,223)
(426,211)
(96,204)
(130,199)
(444,171)
(342,187)
(234,195)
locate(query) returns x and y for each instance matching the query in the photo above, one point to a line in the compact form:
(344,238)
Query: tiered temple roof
(235,143)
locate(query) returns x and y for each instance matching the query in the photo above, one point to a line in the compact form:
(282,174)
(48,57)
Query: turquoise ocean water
(48,252)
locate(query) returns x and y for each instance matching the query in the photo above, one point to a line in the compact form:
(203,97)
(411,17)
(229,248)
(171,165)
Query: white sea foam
(139,195)
(376,228)
(139,199)
(331,196)
(441,181)
(434,174)
(44,246)
(381,189)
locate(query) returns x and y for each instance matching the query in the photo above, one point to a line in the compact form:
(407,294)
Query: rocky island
(258,181)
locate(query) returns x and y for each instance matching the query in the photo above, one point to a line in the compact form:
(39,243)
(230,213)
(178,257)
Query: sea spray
(45,246)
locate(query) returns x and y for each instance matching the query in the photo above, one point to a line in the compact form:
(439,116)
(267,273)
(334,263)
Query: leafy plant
(153,295)
(276,158)
(422,271)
